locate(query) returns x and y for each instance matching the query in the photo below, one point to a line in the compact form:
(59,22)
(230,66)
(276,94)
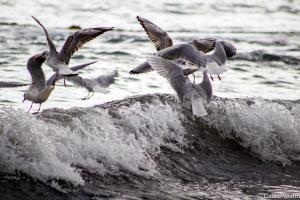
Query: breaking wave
(130,135)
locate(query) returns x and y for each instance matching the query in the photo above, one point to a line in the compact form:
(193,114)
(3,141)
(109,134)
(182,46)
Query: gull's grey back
(185,51)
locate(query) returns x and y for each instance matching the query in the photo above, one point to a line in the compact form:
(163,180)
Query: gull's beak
(39,57)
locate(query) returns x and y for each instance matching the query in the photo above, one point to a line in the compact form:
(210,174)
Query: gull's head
(35,62)
(45,54)
(229,48)
(39,58)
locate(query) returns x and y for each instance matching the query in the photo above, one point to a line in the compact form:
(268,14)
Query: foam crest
(29,145)
(268,128)
(58,143)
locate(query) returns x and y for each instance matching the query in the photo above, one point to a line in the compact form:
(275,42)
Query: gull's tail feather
(142,68)
(214,69)
(65,71)
(197,106)
(79,67)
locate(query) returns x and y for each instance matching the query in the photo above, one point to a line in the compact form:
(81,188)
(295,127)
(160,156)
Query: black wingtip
(140,19)
(231,54)
(116,73)
(35,18)
(133,72)
(38,21)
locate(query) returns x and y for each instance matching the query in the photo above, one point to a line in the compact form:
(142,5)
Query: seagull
(59,61)
(162,40)
(97,84)
(213,63)
(188,92)
(39,89)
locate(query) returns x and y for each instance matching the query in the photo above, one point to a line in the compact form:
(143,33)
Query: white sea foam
(93,140)
(267,128)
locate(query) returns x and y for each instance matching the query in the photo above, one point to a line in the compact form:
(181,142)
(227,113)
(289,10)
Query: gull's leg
(65,82)
(219,78)
(211,78)
(38,109)
(91,95)
(194,78)
(30,107)
(86,97)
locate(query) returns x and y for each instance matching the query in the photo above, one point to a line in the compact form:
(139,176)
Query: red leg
(30,107)
(211,78)
(39,108)
(219,78)
(65,82)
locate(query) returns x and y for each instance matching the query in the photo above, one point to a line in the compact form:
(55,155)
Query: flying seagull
(59,61)
(75,68)
(213,63)
(162,40)
(188,92)
(98,84)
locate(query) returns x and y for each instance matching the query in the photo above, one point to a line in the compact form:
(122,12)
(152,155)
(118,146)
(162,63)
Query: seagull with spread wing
(59,61)
(98,84)
(213,63)
(162,40)
(188,92)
